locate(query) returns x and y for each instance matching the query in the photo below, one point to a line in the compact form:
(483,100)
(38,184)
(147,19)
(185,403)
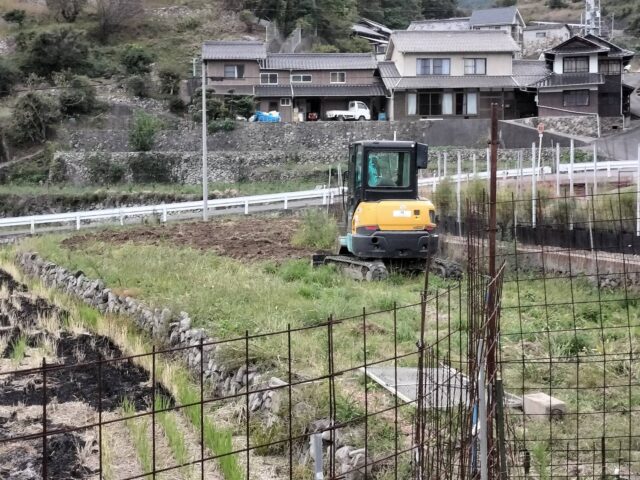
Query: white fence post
(33,225)
(77,222)
(595,169)
(533,185)
(474,164)
(246,207)
(571,160)
(164,213)
(458,193)
(286,202)
(439,159)
(444,161)
(557,169)
(488,154)
(121,216)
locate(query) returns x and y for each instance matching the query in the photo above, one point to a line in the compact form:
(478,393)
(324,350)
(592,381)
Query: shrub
(243,106)
(151,168)
(136,60)
(33,116)
(444,198)
(15,16)
(9,76)
(169,79)
(318,230)
(138,86)
(143,131)
(103,171)
(57,50)
(79,96)
(225,125)
(176,105)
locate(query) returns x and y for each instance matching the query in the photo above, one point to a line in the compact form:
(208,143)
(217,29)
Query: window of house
(338,77)
(541,34)
(475,66)
(234,71)
(301,78)
(575,98)
(433,66)
(412,102)
(268,78)
(576,65)
(430,104)
(285,102)
(610,67)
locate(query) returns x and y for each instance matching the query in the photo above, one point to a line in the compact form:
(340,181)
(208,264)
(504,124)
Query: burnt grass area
(76,362)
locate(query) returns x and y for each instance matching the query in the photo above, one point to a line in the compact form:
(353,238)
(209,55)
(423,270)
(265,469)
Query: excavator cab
(384,216)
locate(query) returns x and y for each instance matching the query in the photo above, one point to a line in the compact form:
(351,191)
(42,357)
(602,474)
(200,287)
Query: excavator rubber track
(355,268)
(376,270)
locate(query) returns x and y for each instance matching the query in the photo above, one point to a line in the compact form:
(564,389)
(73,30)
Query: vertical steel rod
(44,419)
(201,411)
(366,392)
(290,402)
(100,417)
(246,354)
(153,410)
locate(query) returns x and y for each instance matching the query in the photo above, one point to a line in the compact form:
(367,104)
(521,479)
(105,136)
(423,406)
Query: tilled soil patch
(72,395)
(256,238)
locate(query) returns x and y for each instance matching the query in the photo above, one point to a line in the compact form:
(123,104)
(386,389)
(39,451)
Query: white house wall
(497,64)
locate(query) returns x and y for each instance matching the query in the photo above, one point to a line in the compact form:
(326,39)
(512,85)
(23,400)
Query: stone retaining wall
(175,331)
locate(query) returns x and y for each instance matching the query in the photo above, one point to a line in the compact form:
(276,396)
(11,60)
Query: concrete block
(540,405)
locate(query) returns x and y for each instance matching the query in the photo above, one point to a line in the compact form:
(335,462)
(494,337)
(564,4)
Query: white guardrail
(327,196)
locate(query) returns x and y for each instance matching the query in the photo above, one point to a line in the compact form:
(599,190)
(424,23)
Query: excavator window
(389,169)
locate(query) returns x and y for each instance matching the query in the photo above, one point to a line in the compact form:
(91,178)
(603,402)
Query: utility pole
(492,330)
(205,167)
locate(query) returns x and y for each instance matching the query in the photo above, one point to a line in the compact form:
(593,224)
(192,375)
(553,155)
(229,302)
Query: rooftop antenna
(593,18)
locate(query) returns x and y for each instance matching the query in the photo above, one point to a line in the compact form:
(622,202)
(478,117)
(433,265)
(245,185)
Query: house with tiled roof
(456,74)
(300,86)
(507,19)
(586,79)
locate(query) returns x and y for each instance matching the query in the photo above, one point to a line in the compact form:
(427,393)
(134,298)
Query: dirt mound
(247,239)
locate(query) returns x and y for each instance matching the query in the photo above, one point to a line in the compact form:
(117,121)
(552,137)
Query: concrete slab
(445,387)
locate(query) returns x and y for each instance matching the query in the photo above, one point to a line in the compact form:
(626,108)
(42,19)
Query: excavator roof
(385,143)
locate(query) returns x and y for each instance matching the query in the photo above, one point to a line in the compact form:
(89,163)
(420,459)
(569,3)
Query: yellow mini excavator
(385,220)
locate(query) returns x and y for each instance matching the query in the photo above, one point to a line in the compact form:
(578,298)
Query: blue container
(382,116)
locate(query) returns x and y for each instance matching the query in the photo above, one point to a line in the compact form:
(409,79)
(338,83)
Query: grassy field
(561,336)
(245,188)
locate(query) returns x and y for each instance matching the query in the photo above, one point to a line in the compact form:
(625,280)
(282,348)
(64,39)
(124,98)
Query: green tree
(439,8)
(33,117)
(15,16)
(143,132)
(507,3)
(9,76)
(57,50)
(78,96)
(170,76)
(334,18)
(400,15)
(136,60)
(371,9)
